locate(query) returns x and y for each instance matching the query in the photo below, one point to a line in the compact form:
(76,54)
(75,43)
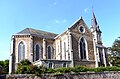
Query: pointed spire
(94,21)
(81,17)
(94,24)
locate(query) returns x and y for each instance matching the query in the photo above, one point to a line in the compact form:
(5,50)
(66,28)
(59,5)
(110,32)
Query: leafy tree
(26,67)
(5,66)
(24,62)
(115,53)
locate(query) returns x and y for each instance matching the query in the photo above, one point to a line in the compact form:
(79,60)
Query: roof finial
(94,21)
(93,11)
(80,17)
(92,8)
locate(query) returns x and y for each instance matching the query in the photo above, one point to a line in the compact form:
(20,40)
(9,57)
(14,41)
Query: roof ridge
(36,32)
(42,30)
(29,30)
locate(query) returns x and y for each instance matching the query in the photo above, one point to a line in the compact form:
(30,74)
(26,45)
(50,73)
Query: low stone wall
(82,75)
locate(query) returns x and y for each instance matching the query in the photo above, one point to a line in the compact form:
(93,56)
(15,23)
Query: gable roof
(34,32)
(73,25)
(69,27)
(79,20)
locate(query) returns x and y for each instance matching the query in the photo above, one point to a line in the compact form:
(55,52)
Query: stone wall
(82,75)
(76,36)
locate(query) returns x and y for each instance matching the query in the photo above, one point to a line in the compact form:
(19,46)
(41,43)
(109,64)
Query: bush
(49,70)
(4,65)
(25,67)
(24,70)
(113,68)
(57,74)
(25,62)
(63,70)
(79,69)
(102,69)
(99,69)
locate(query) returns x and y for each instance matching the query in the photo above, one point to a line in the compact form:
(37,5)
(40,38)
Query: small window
(64,65)
(82,29)
(49,52)
(101,57)
(37,53)
(65,50)
(50,65)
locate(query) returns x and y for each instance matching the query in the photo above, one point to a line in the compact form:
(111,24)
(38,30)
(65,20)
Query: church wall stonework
(26,40)
(76,35)
(50,42)
(39,41)
(18,39)
(63,51)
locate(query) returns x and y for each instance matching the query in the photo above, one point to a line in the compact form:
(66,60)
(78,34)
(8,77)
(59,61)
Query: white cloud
(57,21)
(61,21)
(64,20)
(54,3)
(47,26)
(86,10)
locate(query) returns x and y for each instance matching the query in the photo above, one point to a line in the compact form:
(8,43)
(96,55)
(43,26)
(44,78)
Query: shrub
(4,67)
(79,69)
(113,68)
(25,62)
(24,70)
(49,70)
(102,69)
(25,67)
(57,74)
(63,70)
(99,69)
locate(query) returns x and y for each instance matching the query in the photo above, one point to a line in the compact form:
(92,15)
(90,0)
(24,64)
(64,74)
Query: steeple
(94,21)
(95,29)
(94,25)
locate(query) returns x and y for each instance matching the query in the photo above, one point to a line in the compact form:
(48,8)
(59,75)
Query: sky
(56,16)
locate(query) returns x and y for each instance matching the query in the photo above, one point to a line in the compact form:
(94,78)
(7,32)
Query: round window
(82,29)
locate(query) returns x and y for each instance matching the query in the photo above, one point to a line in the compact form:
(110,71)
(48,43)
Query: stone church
(78,45)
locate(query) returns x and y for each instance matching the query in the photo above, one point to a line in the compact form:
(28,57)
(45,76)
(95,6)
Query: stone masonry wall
(82,75)
(76,35)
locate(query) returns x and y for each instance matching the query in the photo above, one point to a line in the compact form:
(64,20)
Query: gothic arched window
(82,48)
(50,65)
(101,57)
(21,51)
(37,52)
(49,51)
(65,50)
(64,65)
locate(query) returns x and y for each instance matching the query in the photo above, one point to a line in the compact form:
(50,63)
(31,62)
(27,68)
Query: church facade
(78,45)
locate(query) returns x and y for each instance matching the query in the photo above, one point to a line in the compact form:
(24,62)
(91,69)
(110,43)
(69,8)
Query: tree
(26,67)
(25,62)
(5,66)
(115,53)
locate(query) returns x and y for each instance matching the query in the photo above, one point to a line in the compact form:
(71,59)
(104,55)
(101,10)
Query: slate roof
(39,33)
(100,46)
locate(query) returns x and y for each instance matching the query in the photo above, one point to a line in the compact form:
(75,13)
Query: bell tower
(95,30)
